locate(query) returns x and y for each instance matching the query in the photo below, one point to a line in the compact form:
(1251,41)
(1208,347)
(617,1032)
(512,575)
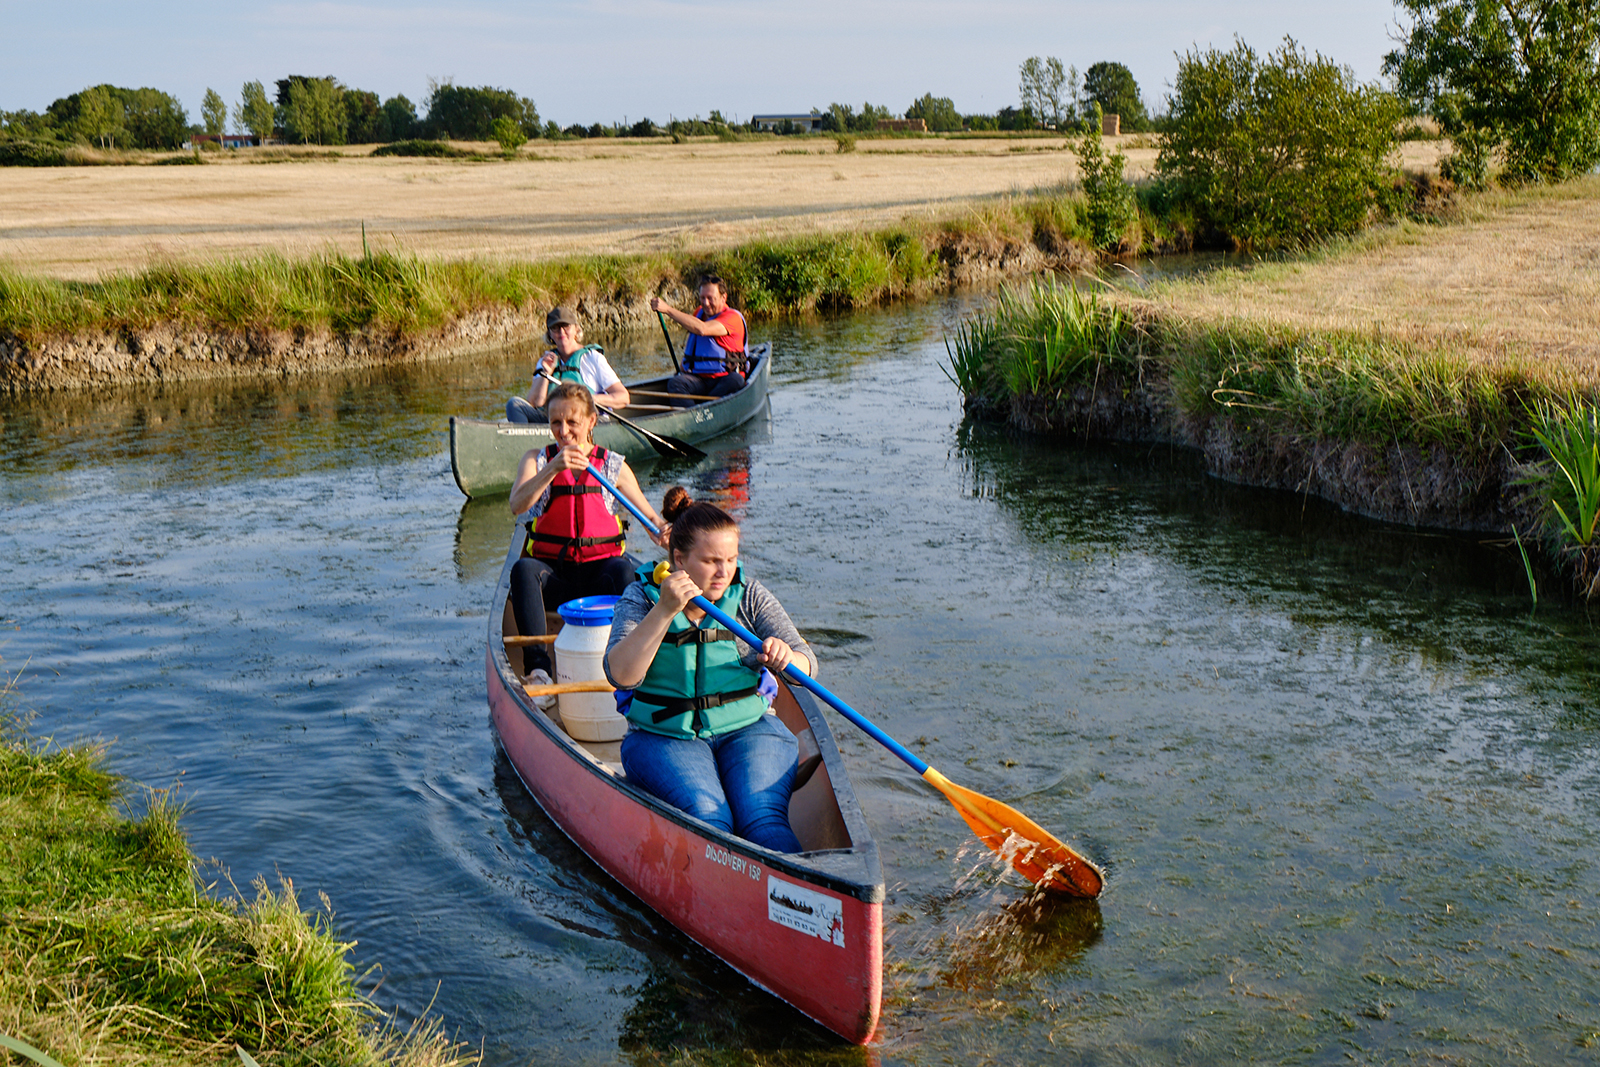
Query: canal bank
(1438,377)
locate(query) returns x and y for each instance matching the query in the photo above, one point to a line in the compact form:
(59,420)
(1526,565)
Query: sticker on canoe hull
(522,431)
(804,909)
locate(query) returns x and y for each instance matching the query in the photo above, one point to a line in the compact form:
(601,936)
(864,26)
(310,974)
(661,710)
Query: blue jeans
(685,382)
(738,782)
(519,410)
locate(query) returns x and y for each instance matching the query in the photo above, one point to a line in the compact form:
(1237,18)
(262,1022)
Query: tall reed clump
(1568,484)
(110,952)
(1039,341)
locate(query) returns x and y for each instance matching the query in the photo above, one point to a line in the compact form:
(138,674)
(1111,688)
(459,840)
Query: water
(1343,784)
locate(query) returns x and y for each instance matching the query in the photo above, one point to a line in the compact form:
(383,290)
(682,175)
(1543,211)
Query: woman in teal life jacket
(568,360)
(699,735)
(575,544)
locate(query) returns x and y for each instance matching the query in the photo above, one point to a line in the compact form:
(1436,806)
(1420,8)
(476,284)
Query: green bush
(1274,151)
(509,134)
(439,149)
(31,154)
(1112,209)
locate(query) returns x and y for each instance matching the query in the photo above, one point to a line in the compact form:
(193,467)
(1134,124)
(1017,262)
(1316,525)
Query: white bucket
(580,648)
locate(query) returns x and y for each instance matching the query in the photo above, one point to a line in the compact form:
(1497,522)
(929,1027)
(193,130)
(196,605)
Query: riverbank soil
(1515,286)
(568,198)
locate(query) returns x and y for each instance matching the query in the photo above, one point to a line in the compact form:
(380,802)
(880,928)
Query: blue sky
(615,59)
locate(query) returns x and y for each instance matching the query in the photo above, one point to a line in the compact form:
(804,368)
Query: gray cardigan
(759,610)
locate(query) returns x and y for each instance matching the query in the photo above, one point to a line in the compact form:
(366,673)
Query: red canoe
(807,928)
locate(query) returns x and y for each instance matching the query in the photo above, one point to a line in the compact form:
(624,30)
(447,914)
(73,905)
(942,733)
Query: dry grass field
(1518,282)
(556,200)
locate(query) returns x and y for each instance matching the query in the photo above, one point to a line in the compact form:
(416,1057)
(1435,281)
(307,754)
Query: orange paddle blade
(1034,852)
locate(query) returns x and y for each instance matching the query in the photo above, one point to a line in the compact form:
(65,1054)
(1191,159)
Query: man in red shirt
(713,357)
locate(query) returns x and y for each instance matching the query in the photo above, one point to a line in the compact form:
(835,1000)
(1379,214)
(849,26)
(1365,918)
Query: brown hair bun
(675,503)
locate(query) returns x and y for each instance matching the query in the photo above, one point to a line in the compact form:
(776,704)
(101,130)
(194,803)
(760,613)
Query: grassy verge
(112,953)
(395,291)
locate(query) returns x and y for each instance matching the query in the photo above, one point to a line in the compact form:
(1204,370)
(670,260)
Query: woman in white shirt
(568,360)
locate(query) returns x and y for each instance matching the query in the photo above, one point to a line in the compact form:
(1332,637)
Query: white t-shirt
(596,372)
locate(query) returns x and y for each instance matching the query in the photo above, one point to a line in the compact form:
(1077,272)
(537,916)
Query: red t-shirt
(733,322)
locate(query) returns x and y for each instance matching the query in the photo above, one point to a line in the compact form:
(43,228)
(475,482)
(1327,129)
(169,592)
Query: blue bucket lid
(588,611)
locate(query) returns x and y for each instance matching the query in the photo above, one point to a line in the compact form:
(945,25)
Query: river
(1342,779)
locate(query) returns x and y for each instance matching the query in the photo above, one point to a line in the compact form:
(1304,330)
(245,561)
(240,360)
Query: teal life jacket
(567,368)
(696,686)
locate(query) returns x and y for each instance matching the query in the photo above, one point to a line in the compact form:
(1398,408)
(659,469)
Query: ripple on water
(1344,787)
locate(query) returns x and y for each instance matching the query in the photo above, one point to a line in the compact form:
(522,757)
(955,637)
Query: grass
(111,952)
(405,293)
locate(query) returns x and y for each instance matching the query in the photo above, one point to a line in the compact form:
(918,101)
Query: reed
(1568,483)
(111,951)
(1038,341)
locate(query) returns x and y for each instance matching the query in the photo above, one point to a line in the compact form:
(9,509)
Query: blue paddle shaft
(800,677)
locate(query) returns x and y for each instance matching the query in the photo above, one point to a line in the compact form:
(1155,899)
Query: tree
(315,112)
(509,134)
(842,118)
(468,114)
(99,115)
(149,118)
(939,112)
(1112,208)
(399,120)
(1271,151)
(214,113)
(254,111)
(1520,78)
(1040,88)
(363,118)
(1111,85)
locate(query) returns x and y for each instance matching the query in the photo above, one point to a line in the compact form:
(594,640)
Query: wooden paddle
(1032,851)
(670,447)
(672,353)
(671,396)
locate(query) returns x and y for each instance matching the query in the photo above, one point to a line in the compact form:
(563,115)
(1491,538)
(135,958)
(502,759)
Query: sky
(611,60)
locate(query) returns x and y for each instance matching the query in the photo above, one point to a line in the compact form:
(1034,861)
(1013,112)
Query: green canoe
(484,453)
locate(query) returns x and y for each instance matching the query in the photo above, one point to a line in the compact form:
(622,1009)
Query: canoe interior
(484,453)
(814,812)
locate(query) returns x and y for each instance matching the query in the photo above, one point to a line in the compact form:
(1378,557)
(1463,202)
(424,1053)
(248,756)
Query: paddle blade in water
(1032,851)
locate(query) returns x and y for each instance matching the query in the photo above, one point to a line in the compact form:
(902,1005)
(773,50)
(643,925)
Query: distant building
(227,140)
(810,122)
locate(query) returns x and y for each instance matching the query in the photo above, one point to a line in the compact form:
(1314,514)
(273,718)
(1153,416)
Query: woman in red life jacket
(575,541)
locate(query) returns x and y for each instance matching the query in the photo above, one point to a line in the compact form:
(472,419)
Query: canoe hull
(484,453)
(807,928)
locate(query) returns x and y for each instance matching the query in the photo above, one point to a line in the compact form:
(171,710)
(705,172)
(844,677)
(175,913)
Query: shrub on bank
(1276,151)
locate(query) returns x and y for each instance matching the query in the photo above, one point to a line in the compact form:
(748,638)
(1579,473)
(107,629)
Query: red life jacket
(575,526)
